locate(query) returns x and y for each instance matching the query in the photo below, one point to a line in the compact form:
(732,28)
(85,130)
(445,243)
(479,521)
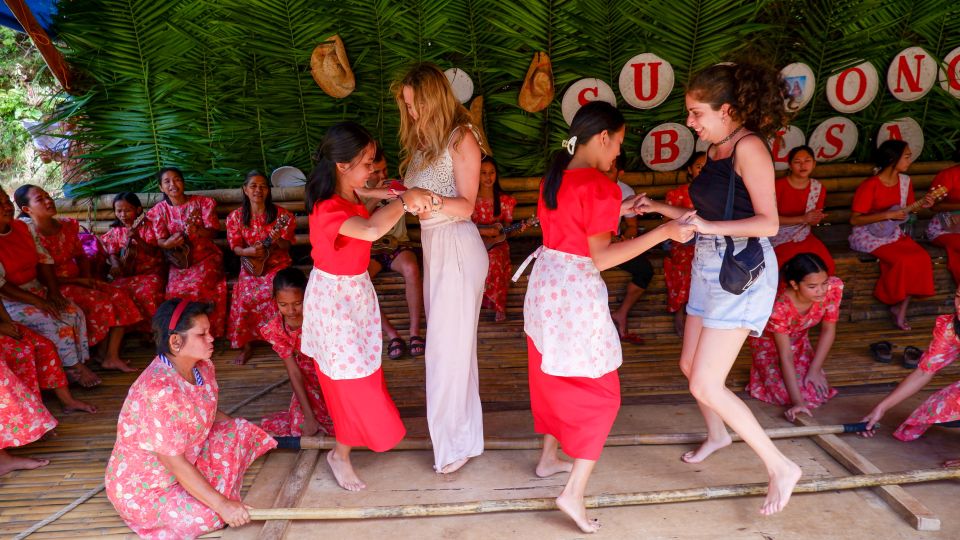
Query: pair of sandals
(883,352)
(398,346)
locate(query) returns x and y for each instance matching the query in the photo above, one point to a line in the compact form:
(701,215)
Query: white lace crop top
(436,176)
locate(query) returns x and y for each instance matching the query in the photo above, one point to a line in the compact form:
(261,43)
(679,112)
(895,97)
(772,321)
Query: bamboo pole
(533,443)
(608,500)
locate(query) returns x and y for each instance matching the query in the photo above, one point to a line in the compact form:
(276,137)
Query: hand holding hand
(418,200)
(813,217)
(643,204)
(683,228)
(234,513)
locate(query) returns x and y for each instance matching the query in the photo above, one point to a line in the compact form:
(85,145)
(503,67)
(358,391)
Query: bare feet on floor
(75,405)
(899,318)
(81,374)
(780,488)
(551,466)
(246,352)
(454,467)
(117,364)
(573,507)
(343,471)
(10,463)
(708,447)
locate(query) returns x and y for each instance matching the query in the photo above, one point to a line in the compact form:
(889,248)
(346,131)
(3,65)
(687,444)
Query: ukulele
(490,241)
(179,257)
(889,227)
(258,265)
(128,253)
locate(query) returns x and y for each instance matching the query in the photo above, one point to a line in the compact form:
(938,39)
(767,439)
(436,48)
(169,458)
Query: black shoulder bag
(739,271)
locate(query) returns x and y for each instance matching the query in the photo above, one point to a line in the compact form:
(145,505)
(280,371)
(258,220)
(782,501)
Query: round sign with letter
(800,84)
(834,139)
(950,73)
(667,147)
(903,129)
(786,140)
(912,74)
(854,88)
(462,84)
(646,81)
(582,92)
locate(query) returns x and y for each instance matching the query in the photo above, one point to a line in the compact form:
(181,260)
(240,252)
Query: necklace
(730,136)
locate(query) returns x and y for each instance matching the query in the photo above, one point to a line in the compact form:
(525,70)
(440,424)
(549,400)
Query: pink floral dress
(33,359)
(147,283)
(203,280)
(23,417)
(766,379)
(677,264)
(498,274)
(165,414)
(286,343)
(943,406)
(104,307)
(251,304)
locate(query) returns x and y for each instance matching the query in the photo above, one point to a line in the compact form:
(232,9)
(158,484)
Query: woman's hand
(818,380)
(928,200)
(310,424)
(233,513)
(9,329)
(872,420)
(257,250)
(628,204)
(643,205)
(56,302)
(813,217)
(418,200)
(681,229)
(792,412)
(896,215)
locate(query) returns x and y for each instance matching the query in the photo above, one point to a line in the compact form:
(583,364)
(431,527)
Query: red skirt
(362,411)
(810,244)
(578,411)
(951,242)
(905,270)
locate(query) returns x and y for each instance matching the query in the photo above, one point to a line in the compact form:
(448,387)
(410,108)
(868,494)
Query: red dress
(766,378)
(146,285)
(498,273)
(905,267)
(251,304)
(677,263)
(286,343)
(793,202)
(23,417)
(578,411)
(943,406)
(33,359)
(203,280)
(165,414)
(949,178)
(106,306)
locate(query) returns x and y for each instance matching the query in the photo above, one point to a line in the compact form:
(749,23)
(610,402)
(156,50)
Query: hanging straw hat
(476,117)
(331,68)
(537,90)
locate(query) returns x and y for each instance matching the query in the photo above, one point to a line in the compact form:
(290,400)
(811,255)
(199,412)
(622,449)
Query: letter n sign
(646,80)
(667,147)
(912,74)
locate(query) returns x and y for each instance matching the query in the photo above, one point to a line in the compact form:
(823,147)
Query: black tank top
(708,191)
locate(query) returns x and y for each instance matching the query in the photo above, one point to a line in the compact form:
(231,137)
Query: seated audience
(944,229)
(800,201)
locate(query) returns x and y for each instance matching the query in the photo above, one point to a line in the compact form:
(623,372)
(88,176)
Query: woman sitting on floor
(944,229)
(800,201)
(136,264)
(941,407)
(679,260)
(23,418)
(108,309)
(24,264)
(191,220)
(905,267)
(786,369)
(248,228)
(178,463)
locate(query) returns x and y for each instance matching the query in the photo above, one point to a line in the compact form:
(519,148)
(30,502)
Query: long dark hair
(342,144)
(289,278)
(129,197)
(161,320)
(497,190)
(22,197)
(802,265)
(270,208)
(754,92)
(888,153)
(591,119)
(160,179)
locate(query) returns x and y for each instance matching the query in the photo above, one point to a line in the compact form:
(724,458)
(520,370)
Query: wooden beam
(290,493)
(903,503)
(51,55)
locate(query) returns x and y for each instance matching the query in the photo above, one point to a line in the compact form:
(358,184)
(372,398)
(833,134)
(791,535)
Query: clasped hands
(680,229)
(418,200)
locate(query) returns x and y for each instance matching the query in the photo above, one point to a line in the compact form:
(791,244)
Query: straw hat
(537,90)
(331,68)
(476,118)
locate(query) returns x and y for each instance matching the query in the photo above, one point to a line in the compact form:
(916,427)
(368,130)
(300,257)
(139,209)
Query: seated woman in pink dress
(787,370)
(177,467)
(23,420)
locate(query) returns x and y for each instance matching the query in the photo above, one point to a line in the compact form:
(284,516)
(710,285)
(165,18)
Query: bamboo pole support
(602,501)
(533,443)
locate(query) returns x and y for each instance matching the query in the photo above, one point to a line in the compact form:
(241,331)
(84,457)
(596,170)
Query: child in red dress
(800,201)
(494,208)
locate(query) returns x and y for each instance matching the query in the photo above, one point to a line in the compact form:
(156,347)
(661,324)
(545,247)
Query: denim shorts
(723,310)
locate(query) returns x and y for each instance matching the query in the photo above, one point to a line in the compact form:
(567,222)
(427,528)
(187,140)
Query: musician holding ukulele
(880,204)
(944,228)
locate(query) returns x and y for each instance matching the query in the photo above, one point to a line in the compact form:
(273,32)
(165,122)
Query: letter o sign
(903,129)
(950,73)
(854,88)
(582,92)
(667,147)
(834,139)
(912,74)
(646,81)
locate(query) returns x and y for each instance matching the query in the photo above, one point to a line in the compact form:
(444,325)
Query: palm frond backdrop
(218,87)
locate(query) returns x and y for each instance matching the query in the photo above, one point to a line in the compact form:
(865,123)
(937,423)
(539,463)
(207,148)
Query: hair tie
(570,144)
(177,312)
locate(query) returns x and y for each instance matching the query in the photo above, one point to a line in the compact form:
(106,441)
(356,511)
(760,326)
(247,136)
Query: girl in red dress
(307,414)
(800,201)
(905,268)
(23,419)
(142,275)
(494,207)
(177,467)
(258,219)
(786,369)
(191,219)
(942,406)
(944,229)
(341,316)
(108,309)
(677,263)
(572,342)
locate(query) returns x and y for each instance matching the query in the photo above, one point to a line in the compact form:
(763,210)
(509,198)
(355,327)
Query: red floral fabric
(23,417)
(944,405)
(677,264)
(147,284)
(33,359)
(498,274)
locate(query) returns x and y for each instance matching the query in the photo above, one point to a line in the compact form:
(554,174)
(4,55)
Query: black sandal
(882,351)
(417,346)
(396,348)
(911,357)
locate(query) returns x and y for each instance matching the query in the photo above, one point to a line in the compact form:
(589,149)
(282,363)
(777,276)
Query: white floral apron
(865,238)
(799,232)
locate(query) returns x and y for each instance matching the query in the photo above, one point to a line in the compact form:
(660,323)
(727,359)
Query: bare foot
(81,374)
(500,316)
(708,447)
(344,473)
(75,405)
(454,467)
(573,507)
(117,364)
(244,355)
(10,463)
(899,318)
(780,488)
(552,466)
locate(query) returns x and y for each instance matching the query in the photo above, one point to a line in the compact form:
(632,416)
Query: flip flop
(396,348)
(911,357)
(632,338)
(882,351)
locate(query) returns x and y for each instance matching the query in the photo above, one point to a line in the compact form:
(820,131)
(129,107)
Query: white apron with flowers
(565,313)
(341,325)
(798,232)
(864,239)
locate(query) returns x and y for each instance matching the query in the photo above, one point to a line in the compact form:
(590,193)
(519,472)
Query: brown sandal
(417,346)
(396,348)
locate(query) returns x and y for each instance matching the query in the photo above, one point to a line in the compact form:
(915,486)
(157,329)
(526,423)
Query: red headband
(175,318)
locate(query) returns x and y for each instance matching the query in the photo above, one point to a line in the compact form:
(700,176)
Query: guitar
(258,265)
(387,244)
(128,253)
(889,227)
(179,257)
(490,241)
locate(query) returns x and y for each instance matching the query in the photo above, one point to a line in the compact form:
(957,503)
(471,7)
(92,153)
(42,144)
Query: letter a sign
(646,80)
